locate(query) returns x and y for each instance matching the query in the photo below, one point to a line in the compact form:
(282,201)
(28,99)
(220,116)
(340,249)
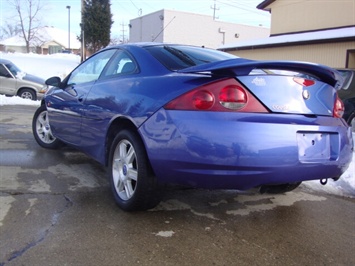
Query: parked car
(347,94)
(13,81)
(157,114)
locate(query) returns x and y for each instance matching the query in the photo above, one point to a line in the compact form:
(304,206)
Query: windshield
(13,69)
(176,57)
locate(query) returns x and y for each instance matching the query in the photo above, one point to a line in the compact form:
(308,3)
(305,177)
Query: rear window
(176,57)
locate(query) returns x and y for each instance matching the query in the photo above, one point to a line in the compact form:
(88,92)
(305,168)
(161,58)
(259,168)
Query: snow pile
(44,66)
(345,186)
(15,100)
(61,65)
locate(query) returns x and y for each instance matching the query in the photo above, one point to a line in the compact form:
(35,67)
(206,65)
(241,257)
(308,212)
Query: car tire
(279,189)
(42,130)
(27,94)
(132,180)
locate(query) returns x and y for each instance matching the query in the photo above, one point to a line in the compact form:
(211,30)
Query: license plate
(313,146)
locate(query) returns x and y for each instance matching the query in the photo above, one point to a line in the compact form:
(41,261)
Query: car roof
(5,61)
(146,44)
(139,44)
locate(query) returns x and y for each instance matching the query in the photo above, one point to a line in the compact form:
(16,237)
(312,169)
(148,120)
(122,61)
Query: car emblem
(259,81)
(305,94)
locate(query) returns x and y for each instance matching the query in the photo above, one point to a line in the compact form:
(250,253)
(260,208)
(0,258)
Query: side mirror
(54,81)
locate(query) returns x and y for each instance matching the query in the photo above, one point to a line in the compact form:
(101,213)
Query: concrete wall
(189,28)
(147,28)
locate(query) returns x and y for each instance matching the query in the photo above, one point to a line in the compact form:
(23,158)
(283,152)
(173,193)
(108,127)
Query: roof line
(274,45)
(314,37)
(263,5)
(307,31)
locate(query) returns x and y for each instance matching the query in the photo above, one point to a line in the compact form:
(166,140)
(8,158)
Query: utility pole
(68,7)
(214,10)
(83,51)
(123,31)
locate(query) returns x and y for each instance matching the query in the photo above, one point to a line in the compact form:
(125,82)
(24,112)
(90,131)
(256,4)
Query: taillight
(233,97)
(338,110)
(203,100)
(226,95)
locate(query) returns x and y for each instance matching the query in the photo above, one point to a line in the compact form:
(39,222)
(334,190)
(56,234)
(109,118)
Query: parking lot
(56,208)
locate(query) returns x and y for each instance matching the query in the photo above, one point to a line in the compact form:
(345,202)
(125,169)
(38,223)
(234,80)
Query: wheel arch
(26,88)
(120,123)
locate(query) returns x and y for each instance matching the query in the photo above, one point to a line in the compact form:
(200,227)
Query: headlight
(43,89)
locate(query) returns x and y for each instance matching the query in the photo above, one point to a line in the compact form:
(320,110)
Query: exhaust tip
(324,181)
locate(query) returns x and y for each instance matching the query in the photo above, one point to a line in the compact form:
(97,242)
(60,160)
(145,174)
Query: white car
(15,82)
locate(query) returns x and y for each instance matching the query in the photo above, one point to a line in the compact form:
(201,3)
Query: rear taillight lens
(203,100)
(226,95)
(338,108)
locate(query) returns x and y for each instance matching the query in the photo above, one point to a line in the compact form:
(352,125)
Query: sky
(61,64)
(55,12)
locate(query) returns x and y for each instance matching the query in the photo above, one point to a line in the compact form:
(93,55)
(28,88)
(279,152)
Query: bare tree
(9,30)
(28,12)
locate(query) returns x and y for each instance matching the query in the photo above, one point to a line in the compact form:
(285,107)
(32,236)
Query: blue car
(158,114)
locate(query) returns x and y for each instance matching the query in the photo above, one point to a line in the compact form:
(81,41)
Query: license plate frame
(313,146)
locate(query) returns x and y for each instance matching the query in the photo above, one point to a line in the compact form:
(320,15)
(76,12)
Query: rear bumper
(240,151)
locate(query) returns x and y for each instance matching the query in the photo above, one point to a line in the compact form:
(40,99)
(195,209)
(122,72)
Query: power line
(138,9)
(249,9)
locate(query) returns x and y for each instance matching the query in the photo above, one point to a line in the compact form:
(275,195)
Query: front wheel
(42,130)
(27,94)
(132,180)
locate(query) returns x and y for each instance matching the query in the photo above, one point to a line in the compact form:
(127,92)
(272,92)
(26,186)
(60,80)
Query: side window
(91,69)
(122,63)
(4,72)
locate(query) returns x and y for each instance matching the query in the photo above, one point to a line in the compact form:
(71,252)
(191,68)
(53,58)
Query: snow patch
(44,66)
(165,233)
(15,100)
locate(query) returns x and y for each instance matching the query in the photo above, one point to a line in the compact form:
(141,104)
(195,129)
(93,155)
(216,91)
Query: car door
(7,81)
(66,106)
(109,97)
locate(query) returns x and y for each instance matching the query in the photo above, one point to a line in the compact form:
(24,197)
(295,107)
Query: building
(189,28)
(49,40)
(316,31)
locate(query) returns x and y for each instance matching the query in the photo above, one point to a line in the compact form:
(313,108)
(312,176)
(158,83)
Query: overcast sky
(55,12)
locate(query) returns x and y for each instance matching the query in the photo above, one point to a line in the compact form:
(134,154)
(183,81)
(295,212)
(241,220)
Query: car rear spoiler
(242,67)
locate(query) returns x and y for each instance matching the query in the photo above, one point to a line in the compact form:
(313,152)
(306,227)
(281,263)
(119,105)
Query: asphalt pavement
(56,208)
